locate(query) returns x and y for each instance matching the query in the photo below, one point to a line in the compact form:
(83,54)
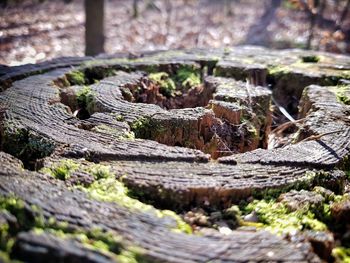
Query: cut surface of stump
(176,130)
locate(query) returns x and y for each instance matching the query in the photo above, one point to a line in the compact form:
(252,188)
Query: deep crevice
(221,128)
(168,92)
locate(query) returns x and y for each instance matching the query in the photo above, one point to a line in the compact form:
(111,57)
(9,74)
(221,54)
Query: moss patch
(61,170)
(277,71)
(95,239)
(341,254)
(25,144)
(5,258)
(343,94)
(146,128)
(185,77)
(188,76)
(4,237)
(24,220)
(86,99)
(277,218)
(141,127)
(107,188)
(76,77)
(119,134)
(306,182)
(166,84)
(111,190)
(33,220)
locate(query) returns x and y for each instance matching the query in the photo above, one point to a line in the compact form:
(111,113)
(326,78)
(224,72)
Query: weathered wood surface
(323,114)
(144,229)
(33,104)
(37,121)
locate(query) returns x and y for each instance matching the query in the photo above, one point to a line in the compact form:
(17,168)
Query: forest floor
(32,32)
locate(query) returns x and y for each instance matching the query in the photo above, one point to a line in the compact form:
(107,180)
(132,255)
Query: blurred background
(34,30)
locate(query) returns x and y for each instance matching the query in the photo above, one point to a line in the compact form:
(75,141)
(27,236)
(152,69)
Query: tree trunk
(135,9)
(344,13)
(258,33)
(94,27)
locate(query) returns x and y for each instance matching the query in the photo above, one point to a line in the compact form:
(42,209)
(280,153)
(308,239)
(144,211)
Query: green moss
(188,76)
(119,117)
(343,94)
(185,77)
(181,225)
(25,221)
(149,68)
(107,189)
(142,128)
(253,132)
(4,236)
(306,182)
(95,238)
(106,129)
(345,74)
(277,218)
(109,72)
(147,128)
(119,134)
(16,207)
(310,59)
(99,171)
(290,5)
(341,198)
(39,146)
(25,144)
(61,170)
(166,84)
(127,136)
(76,77)
(86,99)
(5,258)
(278,70)
(26,217)
(133,255)
(323,212)
(6,240)
(111,190)
(341,254)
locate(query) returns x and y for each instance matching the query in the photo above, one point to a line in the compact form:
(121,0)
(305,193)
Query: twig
(283,110)
(286,125)
(317,137)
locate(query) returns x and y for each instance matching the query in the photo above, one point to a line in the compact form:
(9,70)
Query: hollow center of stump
(184,89)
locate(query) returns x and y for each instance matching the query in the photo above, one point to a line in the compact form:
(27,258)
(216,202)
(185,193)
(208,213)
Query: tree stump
(107,143)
